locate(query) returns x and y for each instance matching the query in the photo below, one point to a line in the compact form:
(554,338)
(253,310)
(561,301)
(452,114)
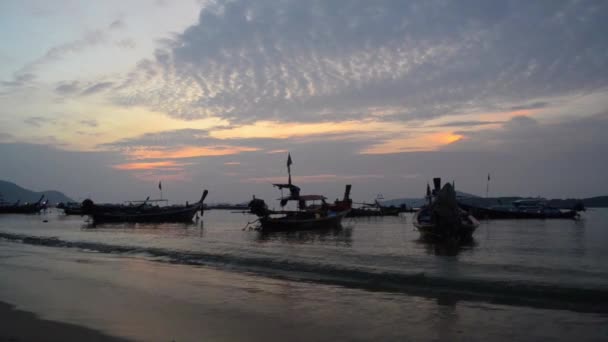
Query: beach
(20,325)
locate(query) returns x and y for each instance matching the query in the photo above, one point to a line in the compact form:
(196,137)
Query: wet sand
(21,326)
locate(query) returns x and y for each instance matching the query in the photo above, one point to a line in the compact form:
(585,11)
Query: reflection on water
(141,226)
(563,252)
(446,248)
(340,236)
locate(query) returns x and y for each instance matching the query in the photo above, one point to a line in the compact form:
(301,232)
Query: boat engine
(87,206)
(258,207)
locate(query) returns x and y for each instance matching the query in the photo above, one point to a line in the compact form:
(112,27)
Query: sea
(372,280)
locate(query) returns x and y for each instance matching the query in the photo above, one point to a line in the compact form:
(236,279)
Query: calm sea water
(550,271)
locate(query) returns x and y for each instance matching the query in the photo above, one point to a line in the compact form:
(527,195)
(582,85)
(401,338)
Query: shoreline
(18,325)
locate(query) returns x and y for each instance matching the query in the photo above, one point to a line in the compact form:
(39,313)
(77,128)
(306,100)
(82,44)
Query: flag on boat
(488,177)
(289,162)
(160,186)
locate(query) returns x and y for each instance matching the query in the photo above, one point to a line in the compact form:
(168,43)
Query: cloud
(80,88)
(117,24)
(535,105)
(68,88)
(322,61)
(27,73)
(5,136)
(38,121)
(166,165)
(89,39)
(126,43)
(466,123)
(96,88)
(186,152)
(89,122)
(20,79)
(527,135)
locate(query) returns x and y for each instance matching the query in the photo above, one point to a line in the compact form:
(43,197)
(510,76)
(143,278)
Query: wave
(502,292)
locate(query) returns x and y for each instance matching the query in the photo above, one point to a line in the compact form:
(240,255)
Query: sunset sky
(104,99)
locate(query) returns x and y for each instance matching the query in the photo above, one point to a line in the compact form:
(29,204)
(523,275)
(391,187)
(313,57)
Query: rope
(248,225)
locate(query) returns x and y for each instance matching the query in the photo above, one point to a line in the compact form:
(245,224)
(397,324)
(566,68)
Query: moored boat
(313,211)
(520,209)
(376,209)
(143,213)
(441,218)
(27,208)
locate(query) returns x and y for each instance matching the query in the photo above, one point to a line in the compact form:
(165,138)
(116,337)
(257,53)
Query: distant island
(569,203)
(11,192)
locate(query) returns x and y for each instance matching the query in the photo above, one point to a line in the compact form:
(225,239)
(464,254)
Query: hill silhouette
(11,192)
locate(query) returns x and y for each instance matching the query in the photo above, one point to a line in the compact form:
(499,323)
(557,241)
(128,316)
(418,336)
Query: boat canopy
(305,198)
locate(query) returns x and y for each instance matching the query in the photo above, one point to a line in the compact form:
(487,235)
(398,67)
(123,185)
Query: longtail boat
(27,208)
(441,218)
(376,209)
(520,209)
(143,213)
(313,211)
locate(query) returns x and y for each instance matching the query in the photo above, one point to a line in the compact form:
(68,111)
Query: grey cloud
(27,73)
(466,123)
(88,39)
(96,88)
(527,135)
(5,136)
(117,24)
(67,88)
(535,105)
(90,123)
(38,121)
(165,138)
(126,43)
(20,79)
(79,174)
(320,60)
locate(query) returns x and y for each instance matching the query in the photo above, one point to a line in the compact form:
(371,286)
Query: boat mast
(488,186)
(289,162)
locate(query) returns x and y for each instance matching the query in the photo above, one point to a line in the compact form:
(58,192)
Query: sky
(105,99)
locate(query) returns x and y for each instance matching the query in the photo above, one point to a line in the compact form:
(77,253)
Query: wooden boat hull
(151,216)
(178,214)
(463,231)
(25,209)
(286,223)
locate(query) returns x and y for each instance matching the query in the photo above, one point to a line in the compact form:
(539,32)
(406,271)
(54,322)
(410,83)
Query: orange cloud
(151,176)
(232,163)
(164,165)
(445,138)
(414,143)
(187,152)
(281,130)
(277,151)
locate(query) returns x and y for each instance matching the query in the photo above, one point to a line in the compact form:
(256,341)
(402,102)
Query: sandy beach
(22,326)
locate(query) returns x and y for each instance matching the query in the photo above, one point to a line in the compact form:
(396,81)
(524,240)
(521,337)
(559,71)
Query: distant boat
(376,209)
(313,211)
(143,213)
(441,218)
(71,208)
(520,209)
(27,208)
